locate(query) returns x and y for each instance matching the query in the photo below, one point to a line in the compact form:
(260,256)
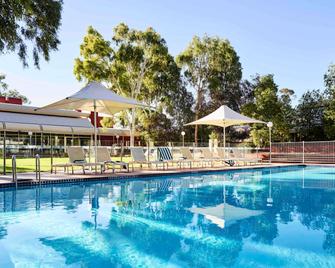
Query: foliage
(329,78)
(25,23)
(267,105)
(107,122)
(156,126)
(212,68)
(310,115)
(10,93)
(329,102)
(214,135)
(136,64)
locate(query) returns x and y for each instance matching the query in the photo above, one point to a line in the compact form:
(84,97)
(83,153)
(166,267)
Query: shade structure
(225,117)
(106,101)
(95,97)
(224,214)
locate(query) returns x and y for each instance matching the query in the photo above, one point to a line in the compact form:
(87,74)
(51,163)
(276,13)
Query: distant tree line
(206,75)
(137,64)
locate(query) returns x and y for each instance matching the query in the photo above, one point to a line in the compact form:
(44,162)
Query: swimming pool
(248,218)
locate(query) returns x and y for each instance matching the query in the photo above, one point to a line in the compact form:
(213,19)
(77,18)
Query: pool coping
(131,176)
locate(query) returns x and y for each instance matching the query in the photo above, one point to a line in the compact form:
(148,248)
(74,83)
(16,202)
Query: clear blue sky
(294,40)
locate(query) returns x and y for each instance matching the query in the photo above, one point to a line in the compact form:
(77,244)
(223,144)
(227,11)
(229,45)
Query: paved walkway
(46,177)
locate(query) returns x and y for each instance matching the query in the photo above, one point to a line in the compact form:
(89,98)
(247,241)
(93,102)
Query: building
(25,130)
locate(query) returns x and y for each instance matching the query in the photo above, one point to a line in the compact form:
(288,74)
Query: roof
(23,109)
(44,123)
(225,117)
(26,118)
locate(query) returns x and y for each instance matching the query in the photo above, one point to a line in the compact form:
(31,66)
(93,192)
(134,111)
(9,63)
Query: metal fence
(322,152)
(55,153)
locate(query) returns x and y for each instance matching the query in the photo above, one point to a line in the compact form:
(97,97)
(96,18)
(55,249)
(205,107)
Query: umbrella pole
(224,141)
(95,134)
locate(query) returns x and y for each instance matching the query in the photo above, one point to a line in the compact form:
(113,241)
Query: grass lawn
(28,164)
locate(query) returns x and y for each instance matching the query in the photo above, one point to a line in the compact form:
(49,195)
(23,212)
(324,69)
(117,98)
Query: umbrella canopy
(94,96)
(224,214)
(225,117)
(106,101)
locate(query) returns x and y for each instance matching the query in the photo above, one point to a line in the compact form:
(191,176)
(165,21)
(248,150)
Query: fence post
(303,152)
(4,153)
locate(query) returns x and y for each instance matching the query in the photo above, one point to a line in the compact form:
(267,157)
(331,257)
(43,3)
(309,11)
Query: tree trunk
(197,110)
(196,129)
(132,128)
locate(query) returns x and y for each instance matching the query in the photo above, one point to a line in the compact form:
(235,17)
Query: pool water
(278,217)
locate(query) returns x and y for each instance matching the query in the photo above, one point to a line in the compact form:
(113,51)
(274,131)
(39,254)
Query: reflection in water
(202,220)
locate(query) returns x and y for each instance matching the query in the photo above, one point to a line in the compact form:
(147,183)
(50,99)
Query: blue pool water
(279,217)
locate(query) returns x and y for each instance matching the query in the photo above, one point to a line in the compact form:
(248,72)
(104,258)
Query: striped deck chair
(165,155)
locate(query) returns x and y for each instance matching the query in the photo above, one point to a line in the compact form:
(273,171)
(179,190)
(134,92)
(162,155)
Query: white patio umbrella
(94,96)
(225,117)
(224,214)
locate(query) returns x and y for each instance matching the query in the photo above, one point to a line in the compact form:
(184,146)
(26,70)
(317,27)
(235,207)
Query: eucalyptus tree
(310,113)
(136,64)
(267,106)
(212,68)
(329,113)
(30,23)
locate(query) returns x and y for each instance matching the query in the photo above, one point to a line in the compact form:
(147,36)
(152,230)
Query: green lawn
(28,164)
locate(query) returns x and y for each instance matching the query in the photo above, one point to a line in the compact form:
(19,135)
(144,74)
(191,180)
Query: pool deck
(29,178)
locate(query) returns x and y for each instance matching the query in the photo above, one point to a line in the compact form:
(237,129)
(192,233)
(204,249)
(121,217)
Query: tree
(310,115)
(329,78)
(135,64)
(268,106)
(329,102)
(107,122)
(212,68)
(287,109)
(25,23)
(10,93)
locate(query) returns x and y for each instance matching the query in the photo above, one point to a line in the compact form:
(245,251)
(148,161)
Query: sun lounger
(76,159)
(103,156)
(187,154)
(208,156)
(165,155)
(238,156)
(221,153)
(138,155)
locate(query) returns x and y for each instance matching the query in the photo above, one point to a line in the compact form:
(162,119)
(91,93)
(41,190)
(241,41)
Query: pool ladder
(14,170)
(37,169)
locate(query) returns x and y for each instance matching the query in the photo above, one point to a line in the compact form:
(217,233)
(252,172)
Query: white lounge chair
(103,156)
(222,154)
(165,155)
(76,159)
(138,155)
(187,154)
(238,156)
(208,156)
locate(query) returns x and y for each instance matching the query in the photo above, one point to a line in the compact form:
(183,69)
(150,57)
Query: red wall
(98,119)
(10,100)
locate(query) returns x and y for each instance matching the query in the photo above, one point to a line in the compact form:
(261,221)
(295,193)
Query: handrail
(14,171)
(38,167)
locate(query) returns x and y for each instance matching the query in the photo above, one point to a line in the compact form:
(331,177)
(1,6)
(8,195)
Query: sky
(294,40)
